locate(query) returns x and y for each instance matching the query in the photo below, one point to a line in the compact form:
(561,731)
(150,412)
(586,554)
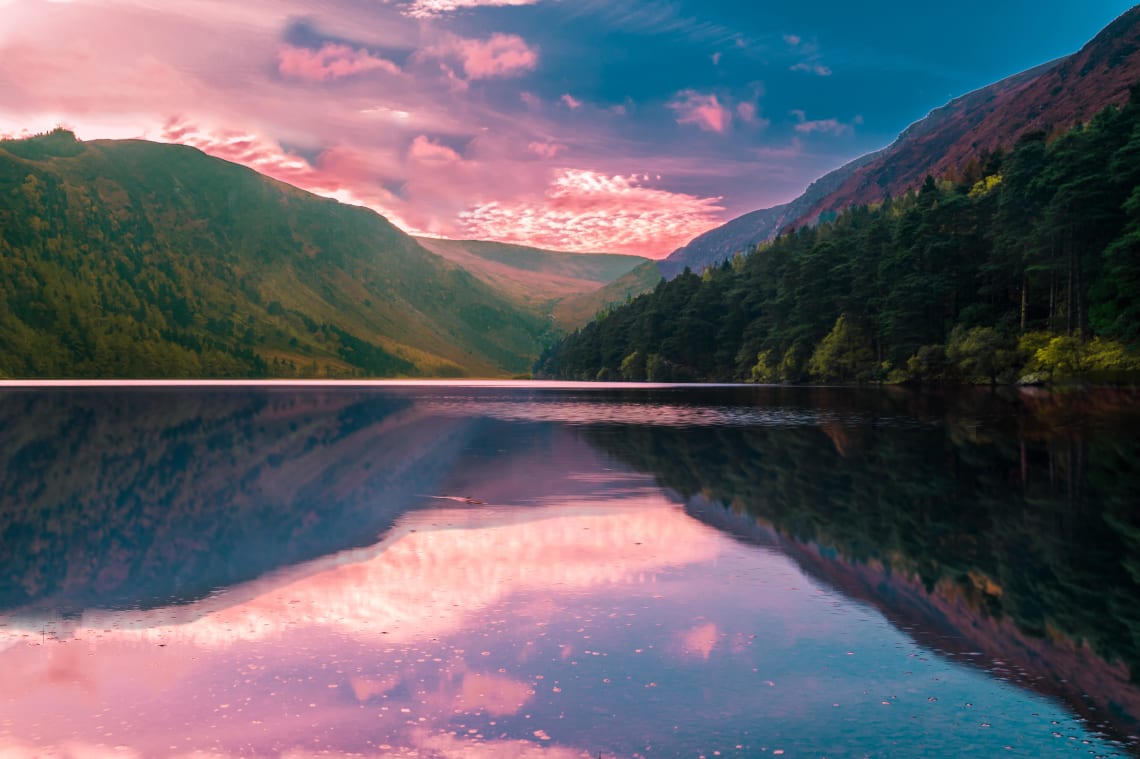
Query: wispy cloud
(701,110)
(586,210)
(809,52)
(432,8)
(331,61)
(571,102)
(658,17)
(546,149)
(821,126)
(811,68)
(750,114)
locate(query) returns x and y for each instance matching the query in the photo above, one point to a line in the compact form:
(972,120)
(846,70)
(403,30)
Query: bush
(844,355)
(929,364)
(983,353)
(763,371)
(633,367)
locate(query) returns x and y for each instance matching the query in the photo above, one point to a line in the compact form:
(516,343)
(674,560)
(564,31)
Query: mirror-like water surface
(483,572)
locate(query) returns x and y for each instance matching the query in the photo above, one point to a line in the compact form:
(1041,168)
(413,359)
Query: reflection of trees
(984,498)
(140,497)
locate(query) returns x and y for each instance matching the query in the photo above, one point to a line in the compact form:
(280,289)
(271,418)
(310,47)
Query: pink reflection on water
(699,641)
(373,651)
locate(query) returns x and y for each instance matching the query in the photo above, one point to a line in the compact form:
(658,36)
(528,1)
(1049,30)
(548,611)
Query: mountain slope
(1051,97)
(129,258)
(573,312)
(534,278)
(1033,272)
(746,232)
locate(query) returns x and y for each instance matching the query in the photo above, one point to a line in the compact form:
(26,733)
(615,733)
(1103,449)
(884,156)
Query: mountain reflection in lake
(447,571)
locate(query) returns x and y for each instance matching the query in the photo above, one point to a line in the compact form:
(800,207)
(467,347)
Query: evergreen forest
(1024,265)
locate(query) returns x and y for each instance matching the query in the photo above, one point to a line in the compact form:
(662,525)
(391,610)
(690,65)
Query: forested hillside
(1029,263)
(133,259)
(1051,97)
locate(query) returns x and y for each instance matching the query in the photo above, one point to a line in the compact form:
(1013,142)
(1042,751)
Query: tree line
(1024,264)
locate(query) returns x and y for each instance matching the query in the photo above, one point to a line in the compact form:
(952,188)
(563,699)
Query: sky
(626,126)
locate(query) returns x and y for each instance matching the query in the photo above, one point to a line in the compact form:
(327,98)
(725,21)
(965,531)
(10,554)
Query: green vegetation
(132,259)
(1026,263)
(566,288)
(573,312)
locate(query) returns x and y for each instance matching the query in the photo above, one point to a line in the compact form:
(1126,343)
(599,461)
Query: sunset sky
(604,125)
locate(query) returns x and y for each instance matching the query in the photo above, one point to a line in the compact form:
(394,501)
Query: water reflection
(397,573)
(1006,525)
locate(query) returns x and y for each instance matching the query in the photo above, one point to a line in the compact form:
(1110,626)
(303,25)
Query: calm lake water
(465,571)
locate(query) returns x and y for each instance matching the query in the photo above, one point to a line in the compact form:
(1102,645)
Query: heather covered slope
(1052,98)
(134,259)
(950,141)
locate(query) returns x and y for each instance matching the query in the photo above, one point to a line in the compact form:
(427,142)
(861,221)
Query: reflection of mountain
(1019,537)
(122,498)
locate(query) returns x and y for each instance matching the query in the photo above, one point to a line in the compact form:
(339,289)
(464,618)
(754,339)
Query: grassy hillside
(573,312)
(133,259)
(533,278)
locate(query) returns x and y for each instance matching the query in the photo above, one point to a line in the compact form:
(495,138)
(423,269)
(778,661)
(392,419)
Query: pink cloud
(500,55)
(546,149)
(332,61)
(426,151)
(698,642)
(704,111)
(571,102)
(587,211)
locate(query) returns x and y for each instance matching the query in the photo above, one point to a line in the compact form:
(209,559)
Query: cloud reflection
(429,577)
(441,572)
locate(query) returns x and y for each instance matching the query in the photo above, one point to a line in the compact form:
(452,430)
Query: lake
(528,570)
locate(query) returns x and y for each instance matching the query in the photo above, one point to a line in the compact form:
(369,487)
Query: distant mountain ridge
(746,232)
(1052,96)
(568,288)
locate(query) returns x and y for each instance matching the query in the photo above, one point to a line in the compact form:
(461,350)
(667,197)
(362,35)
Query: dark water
(451,571)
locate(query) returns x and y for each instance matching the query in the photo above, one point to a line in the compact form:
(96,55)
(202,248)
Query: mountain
(135,259)
(575,311)
(746,232)
(537,279)
(1032,270)
(1051,97)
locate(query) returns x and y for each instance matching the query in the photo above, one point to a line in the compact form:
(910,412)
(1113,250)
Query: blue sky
(576,124)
